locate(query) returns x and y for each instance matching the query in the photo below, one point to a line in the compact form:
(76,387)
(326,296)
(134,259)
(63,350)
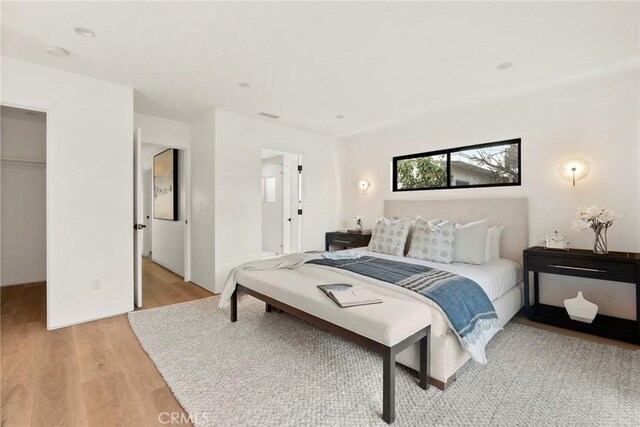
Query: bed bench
(386,328)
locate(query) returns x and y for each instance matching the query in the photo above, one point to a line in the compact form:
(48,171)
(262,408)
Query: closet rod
(23,162)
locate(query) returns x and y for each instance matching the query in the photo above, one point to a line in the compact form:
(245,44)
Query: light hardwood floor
(95,373)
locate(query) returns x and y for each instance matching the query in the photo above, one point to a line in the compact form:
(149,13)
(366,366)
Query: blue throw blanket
(467,306)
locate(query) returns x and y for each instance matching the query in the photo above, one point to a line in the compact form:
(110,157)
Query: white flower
(607,215)
(580,225)
(594,217)
(592,211)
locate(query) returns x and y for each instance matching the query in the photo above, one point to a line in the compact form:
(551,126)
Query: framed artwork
(165,185)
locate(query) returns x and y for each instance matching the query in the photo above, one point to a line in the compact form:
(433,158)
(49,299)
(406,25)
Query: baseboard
(25,283)
(93,319)
(164,266)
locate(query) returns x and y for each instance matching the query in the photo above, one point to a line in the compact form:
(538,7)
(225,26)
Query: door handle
(289,219)
(139,226)
(570,267)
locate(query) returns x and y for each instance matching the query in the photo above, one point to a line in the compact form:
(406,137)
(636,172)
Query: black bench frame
(388,353)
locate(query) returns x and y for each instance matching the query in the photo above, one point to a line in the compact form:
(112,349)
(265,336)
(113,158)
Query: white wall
(23,228)
(90,188)
(167,237)
(203,189)
(596,120)
(164,132)
(239,142)
(272,211)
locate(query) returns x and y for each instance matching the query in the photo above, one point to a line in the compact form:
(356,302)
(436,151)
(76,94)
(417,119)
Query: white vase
(581,309)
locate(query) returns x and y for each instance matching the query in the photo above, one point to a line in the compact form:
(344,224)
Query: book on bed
(348,295)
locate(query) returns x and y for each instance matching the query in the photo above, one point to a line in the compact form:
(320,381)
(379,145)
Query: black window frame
(448,152)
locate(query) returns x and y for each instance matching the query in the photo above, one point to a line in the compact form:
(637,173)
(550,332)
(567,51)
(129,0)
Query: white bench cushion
(387,323)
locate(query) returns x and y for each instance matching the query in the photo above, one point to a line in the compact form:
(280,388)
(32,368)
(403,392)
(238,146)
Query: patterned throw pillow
(389,237)
(432,240)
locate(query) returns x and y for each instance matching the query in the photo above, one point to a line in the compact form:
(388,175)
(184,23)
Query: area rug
(272,369)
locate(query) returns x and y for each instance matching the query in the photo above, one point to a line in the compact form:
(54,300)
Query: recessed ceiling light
(505,65)
(339,116)
(85,32)
(244,85)
(56,51)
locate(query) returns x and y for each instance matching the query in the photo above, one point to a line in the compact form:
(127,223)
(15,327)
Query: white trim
(167,268)
(37,282)
(23,162)
(187,215)
(93,319)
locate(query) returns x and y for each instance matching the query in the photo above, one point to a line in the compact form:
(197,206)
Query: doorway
(163,230)
(281,203)
(23,227)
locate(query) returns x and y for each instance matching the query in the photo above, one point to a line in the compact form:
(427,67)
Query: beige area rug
(272,369)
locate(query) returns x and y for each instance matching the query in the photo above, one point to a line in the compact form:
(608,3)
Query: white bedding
(495,278)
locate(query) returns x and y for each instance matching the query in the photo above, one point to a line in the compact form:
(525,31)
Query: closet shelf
(22,162)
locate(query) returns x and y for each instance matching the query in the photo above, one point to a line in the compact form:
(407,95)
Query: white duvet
(495,278)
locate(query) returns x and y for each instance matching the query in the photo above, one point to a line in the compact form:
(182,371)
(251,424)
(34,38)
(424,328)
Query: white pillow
(389,237)
(412,223)
(432,240)
(492,248)
(469,244)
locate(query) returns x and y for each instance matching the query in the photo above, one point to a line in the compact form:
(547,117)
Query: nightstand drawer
(346,240)
(605,270)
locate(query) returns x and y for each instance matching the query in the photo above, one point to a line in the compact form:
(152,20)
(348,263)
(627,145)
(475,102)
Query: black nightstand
(614,266)
(346,240)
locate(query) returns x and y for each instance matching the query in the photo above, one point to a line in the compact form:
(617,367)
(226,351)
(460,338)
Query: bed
(501,279)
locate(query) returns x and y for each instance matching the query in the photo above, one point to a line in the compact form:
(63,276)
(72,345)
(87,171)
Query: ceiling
(308,62)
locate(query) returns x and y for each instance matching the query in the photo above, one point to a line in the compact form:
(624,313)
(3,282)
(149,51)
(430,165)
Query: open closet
(23,206)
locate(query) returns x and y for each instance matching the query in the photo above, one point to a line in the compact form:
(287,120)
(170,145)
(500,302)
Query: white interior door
(286,205)
(138,218)
(299,187)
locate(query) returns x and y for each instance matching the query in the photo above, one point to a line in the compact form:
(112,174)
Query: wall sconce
(574,170)
(364,186)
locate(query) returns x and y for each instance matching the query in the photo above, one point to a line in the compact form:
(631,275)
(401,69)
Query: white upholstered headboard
(512,213)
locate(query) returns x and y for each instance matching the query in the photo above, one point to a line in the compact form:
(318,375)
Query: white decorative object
(556,241)
(581,309)
(599,219)
(358,219)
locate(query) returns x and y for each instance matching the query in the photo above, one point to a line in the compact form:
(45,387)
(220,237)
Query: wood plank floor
(93,374)
(96,373)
